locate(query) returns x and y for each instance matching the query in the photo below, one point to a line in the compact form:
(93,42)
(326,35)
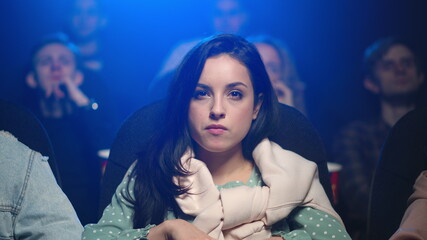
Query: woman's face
(222,108)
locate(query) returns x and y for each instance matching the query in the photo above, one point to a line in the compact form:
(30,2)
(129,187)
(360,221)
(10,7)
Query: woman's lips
(216,129)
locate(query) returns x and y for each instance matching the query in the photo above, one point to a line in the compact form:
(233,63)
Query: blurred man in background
(392,71)
(75,117)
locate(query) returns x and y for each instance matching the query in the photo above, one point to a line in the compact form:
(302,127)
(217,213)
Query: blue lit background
(327,39)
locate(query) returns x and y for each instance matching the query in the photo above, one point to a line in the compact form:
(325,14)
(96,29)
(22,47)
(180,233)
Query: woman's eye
(200,94)
(237,95)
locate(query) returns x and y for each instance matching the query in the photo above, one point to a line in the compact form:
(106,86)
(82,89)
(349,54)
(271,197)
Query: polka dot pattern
(116,221)
(314,224)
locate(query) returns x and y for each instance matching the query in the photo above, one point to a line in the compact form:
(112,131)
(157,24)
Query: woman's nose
(217,109)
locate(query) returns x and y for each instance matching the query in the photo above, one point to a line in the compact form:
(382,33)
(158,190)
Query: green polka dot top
(303,222)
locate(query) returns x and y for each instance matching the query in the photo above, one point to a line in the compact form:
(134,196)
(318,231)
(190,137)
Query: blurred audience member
(75,120)
(86,22)
(102,55)
(393,73)
(282,71)
(227,16)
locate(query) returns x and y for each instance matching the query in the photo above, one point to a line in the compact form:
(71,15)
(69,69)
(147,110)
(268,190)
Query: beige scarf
(249,212)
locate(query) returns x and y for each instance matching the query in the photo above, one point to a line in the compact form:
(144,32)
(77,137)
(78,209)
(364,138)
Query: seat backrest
(296,133)
(28,129)
(402,159)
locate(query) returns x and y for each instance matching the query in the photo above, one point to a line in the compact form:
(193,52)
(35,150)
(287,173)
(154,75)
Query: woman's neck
(227,166)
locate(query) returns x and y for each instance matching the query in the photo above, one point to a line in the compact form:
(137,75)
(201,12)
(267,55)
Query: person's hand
(275,238)
(50,88)
(72,83)
(177,229)
(54,89)
(284,93)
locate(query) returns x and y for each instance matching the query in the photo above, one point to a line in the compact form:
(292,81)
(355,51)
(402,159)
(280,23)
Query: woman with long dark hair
(211,172)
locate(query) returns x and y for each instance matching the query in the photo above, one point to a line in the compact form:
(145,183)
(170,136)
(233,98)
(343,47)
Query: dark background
(327,39)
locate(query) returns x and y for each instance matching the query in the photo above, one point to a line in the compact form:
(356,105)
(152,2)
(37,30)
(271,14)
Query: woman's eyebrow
(235,84)
(230,85)
(204,86)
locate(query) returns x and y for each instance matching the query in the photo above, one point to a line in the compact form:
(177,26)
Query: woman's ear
(31,80)
(258,106)
(78,78)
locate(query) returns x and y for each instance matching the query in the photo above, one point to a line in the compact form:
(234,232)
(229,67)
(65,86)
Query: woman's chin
(217,147)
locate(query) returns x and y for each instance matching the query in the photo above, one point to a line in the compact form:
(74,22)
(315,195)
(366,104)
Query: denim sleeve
(40,208)
(117,219)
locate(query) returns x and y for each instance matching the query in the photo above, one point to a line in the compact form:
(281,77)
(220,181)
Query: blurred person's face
(396,73)
(273,64)
(52,65)
(86,19)
(271,59)
(229,17)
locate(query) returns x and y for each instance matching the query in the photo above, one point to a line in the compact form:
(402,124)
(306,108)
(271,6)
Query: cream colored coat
(248,213)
